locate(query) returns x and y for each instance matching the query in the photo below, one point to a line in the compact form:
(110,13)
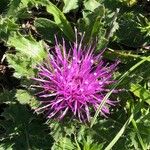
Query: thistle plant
(74,81)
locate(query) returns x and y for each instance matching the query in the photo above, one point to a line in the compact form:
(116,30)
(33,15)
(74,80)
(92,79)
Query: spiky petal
(74,81)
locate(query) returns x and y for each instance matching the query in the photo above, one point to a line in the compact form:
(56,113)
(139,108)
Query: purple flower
(74,81)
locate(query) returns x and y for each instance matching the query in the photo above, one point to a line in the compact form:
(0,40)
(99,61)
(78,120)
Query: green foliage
(141,92)
(28,46)
(91,5)
(92,24)
(129,24)
(47,29)
(21,64)
(27,29)
(7,26)
(7,96)
(24,130)
(59,19)
(24,97)
(70,5)
(3,6)
(29,54)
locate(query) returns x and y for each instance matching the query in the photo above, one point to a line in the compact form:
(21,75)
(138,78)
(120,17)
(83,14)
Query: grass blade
(119,134)
(115,85)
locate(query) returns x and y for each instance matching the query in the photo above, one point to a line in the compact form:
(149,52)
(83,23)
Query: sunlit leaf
(28,46)
(141,92)
(70,5)
(25,97)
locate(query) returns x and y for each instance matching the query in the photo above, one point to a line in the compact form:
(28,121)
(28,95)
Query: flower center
(78,80)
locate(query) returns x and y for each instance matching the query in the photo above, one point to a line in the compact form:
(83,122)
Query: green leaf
(28,46)
(114,87)
(6,147)
(70,5)
(25,97)
(138,134)
(140,92)
(23,65)
(143,124)
(3,6)
(24,130)
(59,19)
(113,24)
(15,6)
(29,54)
(7,96)
(92,24)
(89,144)
(129,24)
(91,5)
(47,29)
(64,144)
(7,27)
(125,56)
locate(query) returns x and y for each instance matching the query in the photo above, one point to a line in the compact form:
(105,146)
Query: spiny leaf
(25,97)
(28,46)
(64,144)
(7,27)
(22,64)
(15,6)
(129,24)
(89,144)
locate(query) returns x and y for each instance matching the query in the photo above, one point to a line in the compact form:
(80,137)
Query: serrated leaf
(28,46)
(64,144)
(89,144)
(22,64)
(15,6)
(25,97)
(7,26)
(140,92)
(70,5)
(143,124)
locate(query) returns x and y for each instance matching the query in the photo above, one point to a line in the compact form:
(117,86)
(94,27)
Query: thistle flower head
(74,81)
